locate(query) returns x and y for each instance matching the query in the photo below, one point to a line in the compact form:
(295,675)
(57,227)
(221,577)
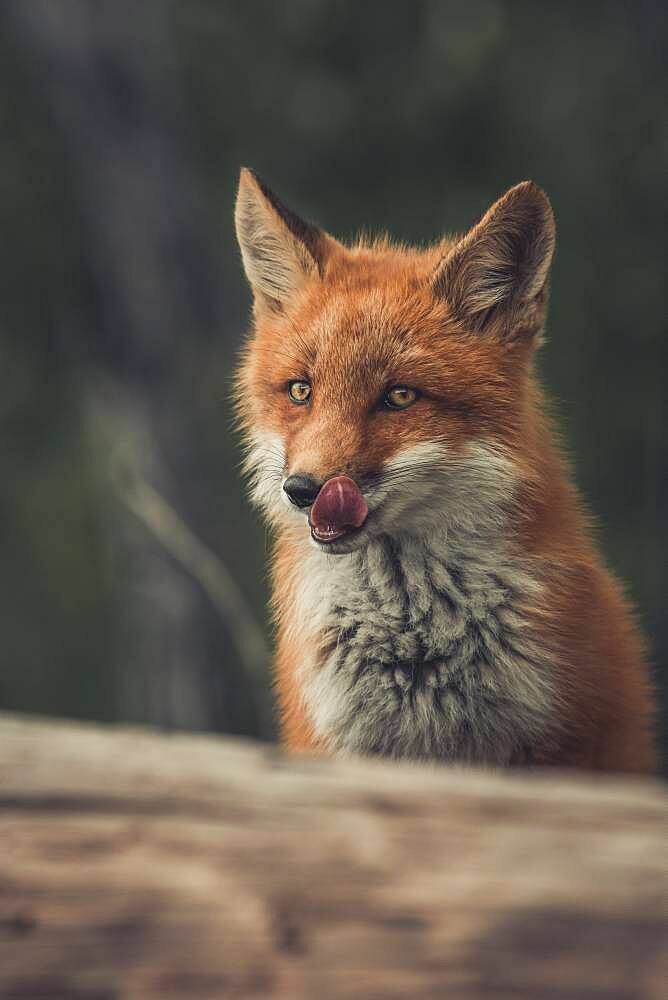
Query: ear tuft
(279,250)
(497,273)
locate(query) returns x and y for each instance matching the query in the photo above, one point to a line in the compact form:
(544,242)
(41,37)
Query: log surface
(137,865)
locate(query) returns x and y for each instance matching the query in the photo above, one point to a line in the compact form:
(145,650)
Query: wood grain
(138,865)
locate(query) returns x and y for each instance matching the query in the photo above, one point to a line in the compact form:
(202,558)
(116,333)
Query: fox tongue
(338,507)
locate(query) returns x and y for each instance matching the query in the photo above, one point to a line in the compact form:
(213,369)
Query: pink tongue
(338,506)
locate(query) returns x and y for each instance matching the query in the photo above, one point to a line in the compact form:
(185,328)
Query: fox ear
(496,275)
(279,251)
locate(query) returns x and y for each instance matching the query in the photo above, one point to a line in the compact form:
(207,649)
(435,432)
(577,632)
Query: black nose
(302,490)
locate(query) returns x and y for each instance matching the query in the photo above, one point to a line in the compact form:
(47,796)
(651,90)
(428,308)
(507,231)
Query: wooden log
(137,865)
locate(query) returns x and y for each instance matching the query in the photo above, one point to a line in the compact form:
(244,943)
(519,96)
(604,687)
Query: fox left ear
(495,277)
(280,251)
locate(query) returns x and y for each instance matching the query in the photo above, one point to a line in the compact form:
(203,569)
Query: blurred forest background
(133,571)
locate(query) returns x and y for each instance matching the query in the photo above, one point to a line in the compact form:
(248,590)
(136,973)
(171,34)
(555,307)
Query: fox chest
(423,655)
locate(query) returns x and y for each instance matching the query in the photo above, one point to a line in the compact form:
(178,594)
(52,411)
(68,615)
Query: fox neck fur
(425,650)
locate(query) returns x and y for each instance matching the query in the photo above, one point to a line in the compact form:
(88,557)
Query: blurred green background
(122,302)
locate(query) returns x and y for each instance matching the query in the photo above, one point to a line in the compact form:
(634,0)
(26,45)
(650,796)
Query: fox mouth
(327,534)
(338,510)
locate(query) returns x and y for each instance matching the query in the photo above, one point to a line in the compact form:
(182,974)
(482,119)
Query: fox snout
(337,507)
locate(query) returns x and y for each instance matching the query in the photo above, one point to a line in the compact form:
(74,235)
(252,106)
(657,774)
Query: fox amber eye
(398,397)
(299,391)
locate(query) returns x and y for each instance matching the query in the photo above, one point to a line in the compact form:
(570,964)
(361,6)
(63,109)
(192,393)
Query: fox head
(386,389)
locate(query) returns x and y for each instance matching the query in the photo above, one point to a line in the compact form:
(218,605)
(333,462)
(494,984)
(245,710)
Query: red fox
(436,589)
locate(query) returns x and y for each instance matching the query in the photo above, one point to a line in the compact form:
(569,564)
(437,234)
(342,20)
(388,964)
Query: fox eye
(399,397)
(299,391)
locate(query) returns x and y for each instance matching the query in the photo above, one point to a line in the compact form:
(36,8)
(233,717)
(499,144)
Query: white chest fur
(425,652)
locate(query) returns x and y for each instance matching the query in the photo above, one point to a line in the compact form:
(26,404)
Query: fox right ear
(280,251)
(495,277)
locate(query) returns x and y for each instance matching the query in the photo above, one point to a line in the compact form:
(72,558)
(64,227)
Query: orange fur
(353,319)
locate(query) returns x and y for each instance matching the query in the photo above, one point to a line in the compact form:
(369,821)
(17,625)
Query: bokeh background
(132,580)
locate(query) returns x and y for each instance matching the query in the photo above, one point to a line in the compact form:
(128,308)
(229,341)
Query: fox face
(387,389)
